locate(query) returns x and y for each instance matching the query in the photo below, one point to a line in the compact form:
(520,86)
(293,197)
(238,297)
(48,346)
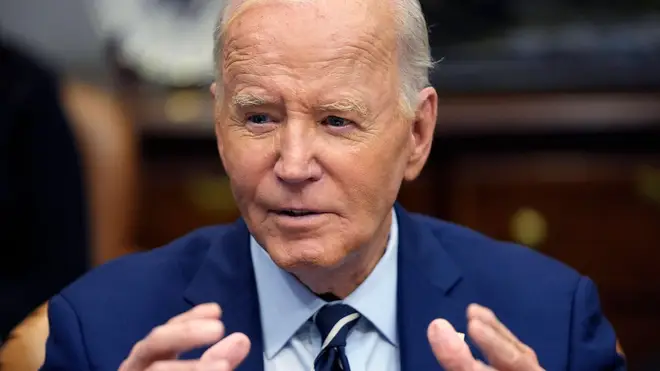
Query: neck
(342,280)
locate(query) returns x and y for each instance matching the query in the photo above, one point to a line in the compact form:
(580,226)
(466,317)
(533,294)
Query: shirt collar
(286,304)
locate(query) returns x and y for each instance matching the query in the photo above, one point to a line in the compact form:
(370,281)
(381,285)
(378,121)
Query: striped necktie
(334,322)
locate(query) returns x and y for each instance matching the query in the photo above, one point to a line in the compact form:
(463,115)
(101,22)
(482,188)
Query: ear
(212,90)
(422,132)
(217,115)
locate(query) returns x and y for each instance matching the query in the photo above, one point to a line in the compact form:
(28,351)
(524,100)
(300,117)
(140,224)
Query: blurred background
(548,135)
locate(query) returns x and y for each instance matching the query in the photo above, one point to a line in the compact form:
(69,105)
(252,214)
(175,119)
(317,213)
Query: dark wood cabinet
(599,213)
(183,187)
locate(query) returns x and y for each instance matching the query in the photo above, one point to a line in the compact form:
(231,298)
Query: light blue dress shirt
(291,340)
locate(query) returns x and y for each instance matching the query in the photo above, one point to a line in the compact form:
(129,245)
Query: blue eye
(259,119)
(335,121)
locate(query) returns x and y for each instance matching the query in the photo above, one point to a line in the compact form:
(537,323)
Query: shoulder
(541,300)
(501,264)
(164,269)
(125,299)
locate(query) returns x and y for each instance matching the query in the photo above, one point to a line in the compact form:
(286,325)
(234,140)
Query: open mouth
(296,213)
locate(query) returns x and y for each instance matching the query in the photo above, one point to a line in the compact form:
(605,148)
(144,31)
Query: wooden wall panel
(599,213)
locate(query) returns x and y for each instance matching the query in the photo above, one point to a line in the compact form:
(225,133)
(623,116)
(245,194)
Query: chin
(306,254)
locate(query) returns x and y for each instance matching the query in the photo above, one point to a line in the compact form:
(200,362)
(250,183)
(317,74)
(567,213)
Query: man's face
(309,127)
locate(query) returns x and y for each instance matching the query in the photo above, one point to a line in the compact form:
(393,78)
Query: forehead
(309,21)
(309,40)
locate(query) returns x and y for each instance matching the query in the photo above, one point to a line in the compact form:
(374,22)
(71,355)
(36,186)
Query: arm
(593,343)
(65,348)
(23,349)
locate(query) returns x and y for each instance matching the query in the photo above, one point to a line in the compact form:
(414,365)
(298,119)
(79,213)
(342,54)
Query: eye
(337,122)
(259,119)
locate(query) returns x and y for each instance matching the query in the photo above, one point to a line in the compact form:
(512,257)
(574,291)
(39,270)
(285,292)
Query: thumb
(448,347)
(233,349)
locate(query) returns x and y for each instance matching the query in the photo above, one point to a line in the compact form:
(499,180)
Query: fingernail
(433,330)
(476,310)
(211,327)
(449,340)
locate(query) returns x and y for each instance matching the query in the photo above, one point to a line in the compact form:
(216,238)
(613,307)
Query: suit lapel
(226,277)
(430,286)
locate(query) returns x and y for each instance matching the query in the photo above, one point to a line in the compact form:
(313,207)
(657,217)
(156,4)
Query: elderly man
(322,109)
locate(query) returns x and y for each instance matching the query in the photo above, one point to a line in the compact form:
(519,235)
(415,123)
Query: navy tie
(334,322)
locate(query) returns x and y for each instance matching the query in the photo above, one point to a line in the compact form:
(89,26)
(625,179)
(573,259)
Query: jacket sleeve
(593,343)
(65,348)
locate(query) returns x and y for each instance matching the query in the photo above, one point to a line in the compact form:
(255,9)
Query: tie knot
(334,321)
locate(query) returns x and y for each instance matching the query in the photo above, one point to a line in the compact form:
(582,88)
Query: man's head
(323,109)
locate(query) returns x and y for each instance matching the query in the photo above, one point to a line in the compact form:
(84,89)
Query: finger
(480,366)
(166,341)
(208,310)
(449,349)
(485,315)
(188,366)
(501,353)
(234,348)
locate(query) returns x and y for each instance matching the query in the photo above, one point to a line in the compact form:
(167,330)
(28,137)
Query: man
(322,109)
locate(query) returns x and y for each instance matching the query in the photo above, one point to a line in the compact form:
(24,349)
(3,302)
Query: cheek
(370,174)
(247,161)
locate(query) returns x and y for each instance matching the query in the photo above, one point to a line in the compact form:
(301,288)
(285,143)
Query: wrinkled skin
(309,118)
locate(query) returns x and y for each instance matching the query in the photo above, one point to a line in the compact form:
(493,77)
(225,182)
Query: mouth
(296,213)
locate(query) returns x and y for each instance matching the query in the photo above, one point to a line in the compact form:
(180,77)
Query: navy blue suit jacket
(443,268)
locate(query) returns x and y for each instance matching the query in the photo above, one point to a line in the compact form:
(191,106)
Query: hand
(198,327)
(502,349)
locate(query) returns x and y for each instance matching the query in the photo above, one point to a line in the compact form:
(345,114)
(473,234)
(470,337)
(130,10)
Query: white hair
(415,61)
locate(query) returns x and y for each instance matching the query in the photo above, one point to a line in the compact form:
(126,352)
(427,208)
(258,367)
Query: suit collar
(288,304)
(425,252)
(430,286)
(226,277)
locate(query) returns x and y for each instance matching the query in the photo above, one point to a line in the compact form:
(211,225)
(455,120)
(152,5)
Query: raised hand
(502,349)
(198,327)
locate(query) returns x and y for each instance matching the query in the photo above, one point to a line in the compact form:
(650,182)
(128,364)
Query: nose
(296,161)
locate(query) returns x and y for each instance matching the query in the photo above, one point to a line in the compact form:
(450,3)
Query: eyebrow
(248,100)
(346,105)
